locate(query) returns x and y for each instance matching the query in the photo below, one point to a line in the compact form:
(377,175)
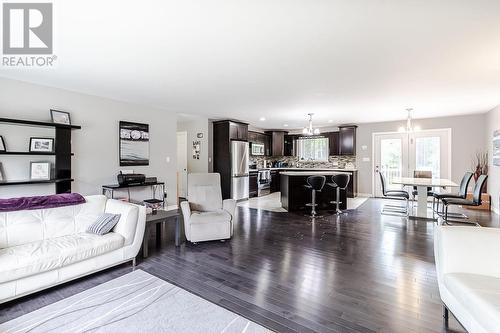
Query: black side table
(157,220)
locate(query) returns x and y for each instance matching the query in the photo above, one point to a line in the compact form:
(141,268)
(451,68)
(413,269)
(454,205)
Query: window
(312,149)
(428,155)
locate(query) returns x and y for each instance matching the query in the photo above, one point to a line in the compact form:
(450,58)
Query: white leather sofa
(45,247)
(468,272)
(206,216)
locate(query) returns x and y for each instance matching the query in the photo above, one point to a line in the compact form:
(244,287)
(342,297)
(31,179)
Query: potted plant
(480,167)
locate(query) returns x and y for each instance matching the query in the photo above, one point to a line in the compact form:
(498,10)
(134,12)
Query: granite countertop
(314,169)
(311,173)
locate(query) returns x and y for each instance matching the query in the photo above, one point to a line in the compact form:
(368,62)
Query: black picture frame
(31,150)
(3,148)
(57,112)
(133,141)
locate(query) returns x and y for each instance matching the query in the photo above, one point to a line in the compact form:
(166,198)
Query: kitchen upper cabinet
(288,145)
(347,140)
(238,131)
(277,143)
(333,143)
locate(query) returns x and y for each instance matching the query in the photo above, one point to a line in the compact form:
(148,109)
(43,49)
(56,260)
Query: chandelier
(409,123)
(309,130)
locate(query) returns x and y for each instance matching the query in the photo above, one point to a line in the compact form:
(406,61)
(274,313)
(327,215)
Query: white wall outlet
(366,159)
(364,147)
(168,159)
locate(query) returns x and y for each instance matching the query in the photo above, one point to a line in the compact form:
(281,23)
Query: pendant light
(309,130)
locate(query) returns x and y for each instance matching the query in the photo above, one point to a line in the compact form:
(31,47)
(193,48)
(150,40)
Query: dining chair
(422,174)
(462,194)
(474,202)
(395,195)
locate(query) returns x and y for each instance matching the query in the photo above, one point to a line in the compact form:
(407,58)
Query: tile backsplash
(333,161)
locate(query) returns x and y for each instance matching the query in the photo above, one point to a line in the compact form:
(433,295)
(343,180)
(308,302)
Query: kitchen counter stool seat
(315,184)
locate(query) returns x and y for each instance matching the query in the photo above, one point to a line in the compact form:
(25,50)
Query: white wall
(493,124)
(96,160)
(467,137)
(194,125)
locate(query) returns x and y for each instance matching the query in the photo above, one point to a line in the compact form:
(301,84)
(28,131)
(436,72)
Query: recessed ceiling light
(285,125)
(262,119)
(330,121)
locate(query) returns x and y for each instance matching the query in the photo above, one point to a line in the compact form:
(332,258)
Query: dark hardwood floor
(361,272)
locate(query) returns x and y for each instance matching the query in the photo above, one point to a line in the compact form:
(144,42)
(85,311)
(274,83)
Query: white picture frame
(40,170)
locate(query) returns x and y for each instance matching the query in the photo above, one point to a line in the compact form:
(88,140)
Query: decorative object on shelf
(309,130)
(199,135)
(196,150)
(480,167)
(496,148)
(60,117)
(153,205)
(41,145)
(2,174)
(40,170)
(2,144)
(134,144)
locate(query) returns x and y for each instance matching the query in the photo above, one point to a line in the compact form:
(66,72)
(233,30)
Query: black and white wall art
(134,144)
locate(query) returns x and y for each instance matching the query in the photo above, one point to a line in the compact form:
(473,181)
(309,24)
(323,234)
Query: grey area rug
(135,302)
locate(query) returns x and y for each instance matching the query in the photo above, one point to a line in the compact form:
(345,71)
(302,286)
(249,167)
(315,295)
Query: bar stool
(315,184)
(339,182)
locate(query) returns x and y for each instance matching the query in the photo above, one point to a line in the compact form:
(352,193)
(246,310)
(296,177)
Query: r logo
(27,28)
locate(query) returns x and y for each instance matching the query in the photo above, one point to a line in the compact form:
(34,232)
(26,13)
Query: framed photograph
(60,117)
(496,148)
(134,144)
(2,144)
(40,170)
(41,145)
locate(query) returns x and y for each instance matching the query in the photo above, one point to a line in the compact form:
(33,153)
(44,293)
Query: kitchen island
(295,196)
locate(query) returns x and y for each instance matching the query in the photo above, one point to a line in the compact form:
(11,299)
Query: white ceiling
(346,61)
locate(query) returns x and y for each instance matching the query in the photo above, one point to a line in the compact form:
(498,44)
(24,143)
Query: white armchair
(468,272)
(206,216)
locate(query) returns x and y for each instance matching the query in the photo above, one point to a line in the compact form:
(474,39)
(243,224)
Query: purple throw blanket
(40,202)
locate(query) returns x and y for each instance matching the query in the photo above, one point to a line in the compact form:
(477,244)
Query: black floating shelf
(28,153)
(30,181)
(36,123)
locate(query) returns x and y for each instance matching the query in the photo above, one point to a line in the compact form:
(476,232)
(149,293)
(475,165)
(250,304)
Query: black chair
(476,199)
(462,194)
(394,194)
(315,184)
(339,182)
(421,174)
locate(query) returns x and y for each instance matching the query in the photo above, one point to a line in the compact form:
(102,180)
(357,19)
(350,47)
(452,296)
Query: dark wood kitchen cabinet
(275,181)
(253,189)
(277,143)
(289,142)
(347,140)
(238,131)
(333,143)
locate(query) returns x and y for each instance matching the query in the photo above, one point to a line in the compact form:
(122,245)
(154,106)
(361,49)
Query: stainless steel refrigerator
(239,170)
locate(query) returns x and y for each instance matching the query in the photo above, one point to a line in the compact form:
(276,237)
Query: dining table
(422,184)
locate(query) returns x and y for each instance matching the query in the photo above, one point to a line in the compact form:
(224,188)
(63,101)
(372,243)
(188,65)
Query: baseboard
(365,195)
